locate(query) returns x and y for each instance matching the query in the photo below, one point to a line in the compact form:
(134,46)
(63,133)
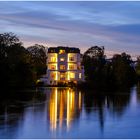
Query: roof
(67,49)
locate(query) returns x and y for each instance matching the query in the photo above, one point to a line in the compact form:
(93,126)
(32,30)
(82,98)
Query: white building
(64,65)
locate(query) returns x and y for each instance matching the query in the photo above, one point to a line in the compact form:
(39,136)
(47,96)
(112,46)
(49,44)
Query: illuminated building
(64,65)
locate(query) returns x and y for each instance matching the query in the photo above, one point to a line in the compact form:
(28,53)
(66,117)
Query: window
(62,67)
(53,59)
(53,67)
(53,75)
(79,67)
(72,75)
(61,51)
(71,58)
(71,67)
(80,75)
(52,51)
(62,59)
(62,75)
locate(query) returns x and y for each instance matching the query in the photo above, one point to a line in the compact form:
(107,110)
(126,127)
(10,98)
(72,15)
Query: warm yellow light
(80,99)
(56,76)
(71,57)
(61,51)
(68,76)
(56,67)
(68,109)
(61,101)
(52,66)
(62,75)
(53,110)
(62,59)
(71,67)
(72,75)
(52,57)
(61,112)
(55,107)
(80,75)
(62,67)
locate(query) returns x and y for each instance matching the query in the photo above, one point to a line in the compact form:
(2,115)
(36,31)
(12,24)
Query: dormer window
(61,51)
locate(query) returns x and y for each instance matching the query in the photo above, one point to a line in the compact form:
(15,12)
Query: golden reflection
(61,112)
(80,100)
(64,105)
(53,110)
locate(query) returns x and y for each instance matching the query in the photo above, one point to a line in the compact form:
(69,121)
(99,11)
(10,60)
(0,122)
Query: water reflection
(64,106)
(70,113)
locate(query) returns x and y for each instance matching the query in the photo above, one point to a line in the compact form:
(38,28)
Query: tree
(138,68)
(38,59)
(123,72)
(12,56)
(94,61)
(108,73)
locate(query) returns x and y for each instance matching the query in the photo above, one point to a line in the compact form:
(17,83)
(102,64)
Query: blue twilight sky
(115,25)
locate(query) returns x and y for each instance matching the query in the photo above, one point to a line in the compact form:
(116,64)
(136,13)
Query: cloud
(78,24)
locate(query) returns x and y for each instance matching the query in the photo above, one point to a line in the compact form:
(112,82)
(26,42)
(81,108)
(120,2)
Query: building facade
(64,65)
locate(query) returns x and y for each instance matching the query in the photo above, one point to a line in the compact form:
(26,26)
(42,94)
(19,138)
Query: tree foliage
(138,67)
(17,64)
(13,61)
(100,72)
(94,61)
(123,70)
(38,58)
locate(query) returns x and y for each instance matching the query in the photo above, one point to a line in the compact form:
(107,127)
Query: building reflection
(64,107)
(60,109)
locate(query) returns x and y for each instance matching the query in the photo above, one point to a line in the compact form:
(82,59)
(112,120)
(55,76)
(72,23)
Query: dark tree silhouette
(94,62)
(38,58)
(15,69)
(123,72)
(138,68)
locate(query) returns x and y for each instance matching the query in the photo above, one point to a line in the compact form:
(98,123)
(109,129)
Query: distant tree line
(20,66)
(116,72)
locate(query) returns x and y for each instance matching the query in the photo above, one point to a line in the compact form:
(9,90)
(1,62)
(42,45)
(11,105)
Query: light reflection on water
(63,105)
(71,113)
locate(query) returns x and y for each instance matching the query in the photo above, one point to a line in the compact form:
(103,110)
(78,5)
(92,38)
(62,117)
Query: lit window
(72,75)
(62,67)
(53,59)
(53,67)
(61,51)
(62,59)
(62,75)
(80,75)
(52,51)
(79,67)
(71,58)
(71,67)
(53,75)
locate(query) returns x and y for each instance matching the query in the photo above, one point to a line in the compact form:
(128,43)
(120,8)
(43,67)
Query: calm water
(70,113)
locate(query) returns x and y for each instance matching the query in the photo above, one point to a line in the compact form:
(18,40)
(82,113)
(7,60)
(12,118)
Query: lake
(70,113)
